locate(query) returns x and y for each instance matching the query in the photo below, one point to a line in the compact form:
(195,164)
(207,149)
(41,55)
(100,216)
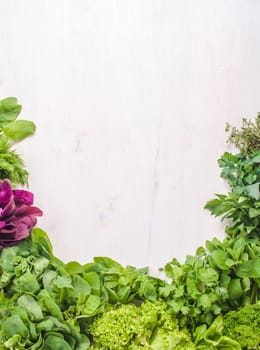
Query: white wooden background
(130,99)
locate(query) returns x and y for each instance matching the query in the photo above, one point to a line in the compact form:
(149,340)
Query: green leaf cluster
(213,337)
(225,275)
(241,206)
(149,326)
(244,326)
(46,304)
(219,278)
(247,139)
(242,171)
(31,314)
(11,131)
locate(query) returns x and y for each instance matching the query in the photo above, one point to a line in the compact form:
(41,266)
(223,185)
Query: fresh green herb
(241,206)
(11,131)
(11,165)
(219,278)
(247,139)
(242,173)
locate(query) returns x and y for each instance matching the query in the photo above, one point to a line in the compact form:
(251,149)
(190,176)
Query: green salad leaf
(244,326)
(149,326)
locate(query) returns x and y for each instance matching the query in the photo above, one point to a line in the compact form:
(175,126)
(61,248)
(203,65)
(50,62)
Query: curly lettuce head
(149,326)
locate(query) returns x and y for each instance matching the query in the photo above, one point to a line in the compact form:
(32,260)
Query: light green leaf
(52,307)
(54,342)
(63,282)
(9,110)
(40,265)
(108,264)
(19,130)
(250,269)
(235,289)
(254,212)
(73,268)
(253,190)
(31,306)
(93,280)
(80,285)
(26,283)
(41,243)
(14,325)
(256,159)
(91,305)
(219,257)
(48,279)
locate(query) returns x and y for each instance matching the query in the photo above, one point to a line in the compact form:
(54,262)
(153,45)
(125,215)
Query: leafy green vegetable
(244,326)
(32,311)
(241,171)
(241,206)
(149,326)
(210,338)
(217,279)
(55,303)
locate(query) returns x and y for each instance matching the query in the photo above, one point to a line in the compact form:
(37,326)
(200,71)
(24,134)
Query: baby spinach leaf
(31,306)
(55,342)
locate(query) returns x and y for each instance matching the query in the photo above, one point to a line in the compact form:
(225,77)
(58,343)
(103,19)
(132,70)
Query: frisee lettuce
(149,326)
